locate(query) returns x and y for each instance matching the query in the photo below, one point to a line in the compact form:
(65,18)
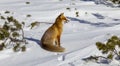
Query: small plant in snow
(68,8)
(27,2)
(111,49)
(6,12)
(33,24)
(2,17)
(12,34)
(28,15)
(77,14)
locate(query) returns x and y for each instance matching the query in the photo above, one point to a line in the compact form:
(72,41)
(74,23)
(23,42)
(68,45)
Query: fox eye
(65,18)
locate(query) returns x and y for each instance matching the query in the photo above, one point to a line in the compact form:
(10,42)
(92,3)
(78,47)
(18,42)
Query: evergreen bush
(115,1)
(111,50)
(111,47)
(12,34)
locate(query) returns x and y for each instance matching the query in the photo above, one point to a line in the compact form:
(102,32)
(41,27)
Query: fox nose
(67,20)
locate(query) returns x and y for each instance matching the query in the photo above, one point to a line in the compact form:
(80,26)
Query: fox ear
(62,14)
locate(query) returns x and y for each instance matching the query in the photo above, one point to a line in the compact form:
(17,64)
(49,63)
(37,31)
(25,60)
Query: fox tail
(53,48)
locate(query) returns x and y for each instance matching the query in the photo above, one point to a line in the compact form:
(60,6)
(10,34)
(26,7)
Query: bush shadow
(38,42)
(98,60)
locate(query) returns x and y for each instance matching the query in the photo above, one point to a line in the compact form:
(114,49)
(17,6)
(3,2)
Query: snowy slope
(95,23)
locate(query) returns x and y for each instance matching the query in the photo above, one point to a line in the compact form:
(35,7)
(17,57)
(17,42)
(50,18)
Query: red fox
(51,38)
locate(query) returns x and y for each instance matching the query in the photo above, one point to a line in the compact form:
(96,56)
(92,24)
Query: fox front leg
(59,41)
(56,42)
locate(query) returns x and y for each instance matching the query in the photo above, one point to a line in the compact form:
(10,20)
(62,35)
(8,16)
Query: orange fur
(51,38)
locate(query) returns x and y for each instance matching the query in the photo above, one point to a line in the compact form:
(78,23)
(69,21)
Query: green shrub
(23,49)
(110,47)
(115,1)
(16,48)
(33,24)
(2,45)
(6,12)
(11,33)
(2,17)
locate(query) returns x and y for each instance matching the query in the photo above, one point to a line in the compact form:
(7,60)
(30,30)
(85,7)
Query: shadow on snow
(99,24)
(34,40)
(99,16)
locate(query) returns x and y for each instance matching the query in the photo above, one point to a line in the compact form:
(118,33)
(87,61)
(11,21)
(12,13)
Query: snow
(95,23)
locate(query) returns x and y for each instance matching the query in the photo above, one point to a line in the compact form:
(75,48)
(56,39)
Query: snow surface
(95,23)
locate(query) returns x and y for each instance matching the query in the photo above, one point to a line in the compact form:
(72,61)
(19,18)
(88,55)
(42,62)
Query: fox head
(63,18)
